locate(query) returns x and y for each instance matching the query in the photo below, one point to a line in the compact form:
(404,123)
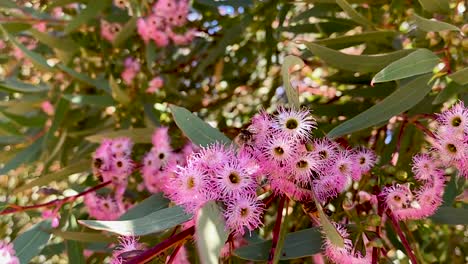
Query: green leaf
(25,156)
(28,121)
(36,58)
(138,135)
(77,167)
(88,237)
(117,93)
(61,110)
(57,3)
(65,44)
(210,232)
(435,6)
(16,27)
(399,101)
(449,92)
(355,63)
(418,62)
(291,92)
(196,129)
(93,100)
(432,25)
(13,85)
(127,31)
(233,3)
(460,77)
(353,14)
(450,216)
(341,42)
(75,252)
(8,4)
(152,223)
(30,243)
(100,84)
(328,228)
(153,203)
(298,244)
(53,249)
(92,10)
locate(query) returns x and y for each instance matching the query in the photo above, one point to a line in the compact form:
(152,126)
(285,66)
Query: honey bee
(245,137)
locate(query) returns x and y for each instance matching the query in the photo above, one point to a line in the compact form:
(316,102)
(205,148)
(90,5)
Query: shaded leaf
(233,3)
(77,167)
(418,62)
(342,42)
(117,93)
(355,63)
(30,243)
(152,223)
(291,92)
(65,44)
(328,228)
(450,216)
(28,121)
(16,27)
(25,156)
(75,252)
(153,203)
(127,31)
(7,4)
(435,5)
(353,14)
(138,135)
(88,237)
(432,25)
(298,244)
(196,129)
(92,10)
(94,100)
(460,77)
(399,101)
(210,232)
(449,92)
(14,85)
(100,84)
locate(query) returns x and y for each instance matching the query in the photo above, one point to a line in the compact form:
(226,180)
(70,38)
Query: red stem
(161,247)
(402,237)
(174,253)
(423,129)
(276,229)
(17,208)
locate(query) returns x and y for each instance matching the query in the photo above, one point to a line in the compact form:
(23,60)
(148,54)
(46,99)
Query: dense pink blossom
(7,254)
(128,247)
(104,207)
(344,254)
(132,67)
(155,84)
(110,30)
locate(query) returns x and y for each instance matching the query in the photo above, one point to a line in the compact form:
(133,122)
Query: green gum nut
(401,175)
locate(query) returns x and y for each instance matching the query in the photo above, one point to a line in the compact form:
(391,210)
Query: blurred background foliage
(230,70)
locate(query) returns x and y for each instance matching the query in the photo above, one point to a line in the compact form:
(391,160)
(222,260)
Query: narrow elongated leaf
(196,129)
(419,62)
(88,237)
(152,223)
(36,58)
(291,92)
(80,166)
(399,101)
(460,77)
(13,85)
(233,3)
(432,25)
(65,44)
(449,92)
(15,27)
(94,100)
(151,204)
(353,14)
(127,31)
(100,84)
(92,10)
(138,135)
(328,228)
(75,252)
(342,42)
(117,93)
(28,121)
(355,63)
(25,156)
(435,6)
(298,244)
(210,232)
(30,243)
(8,4)
(451,216)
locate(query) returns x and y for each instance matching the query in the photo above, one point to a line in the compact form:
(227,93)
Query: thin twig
(423,128)
(161,247)
(16,208)
(402,237)
(276,229)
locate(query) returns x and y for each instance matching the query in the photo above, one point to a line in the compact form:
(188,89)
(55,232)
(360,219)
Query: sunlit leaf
(153,203)
(418,62)
(30,243)
(341,42)
(118,93)
(353,14)
(152,223)
(14,85)
(399,101)
(292,93)
(460,77)
(435,6)
(88,237)
(210,232)
(196,129)
(432,25)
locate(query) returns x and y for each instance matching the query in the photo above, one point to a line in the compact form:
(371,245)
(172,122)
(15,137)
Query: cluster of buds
(132,67)
(110,30)
(160,25)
